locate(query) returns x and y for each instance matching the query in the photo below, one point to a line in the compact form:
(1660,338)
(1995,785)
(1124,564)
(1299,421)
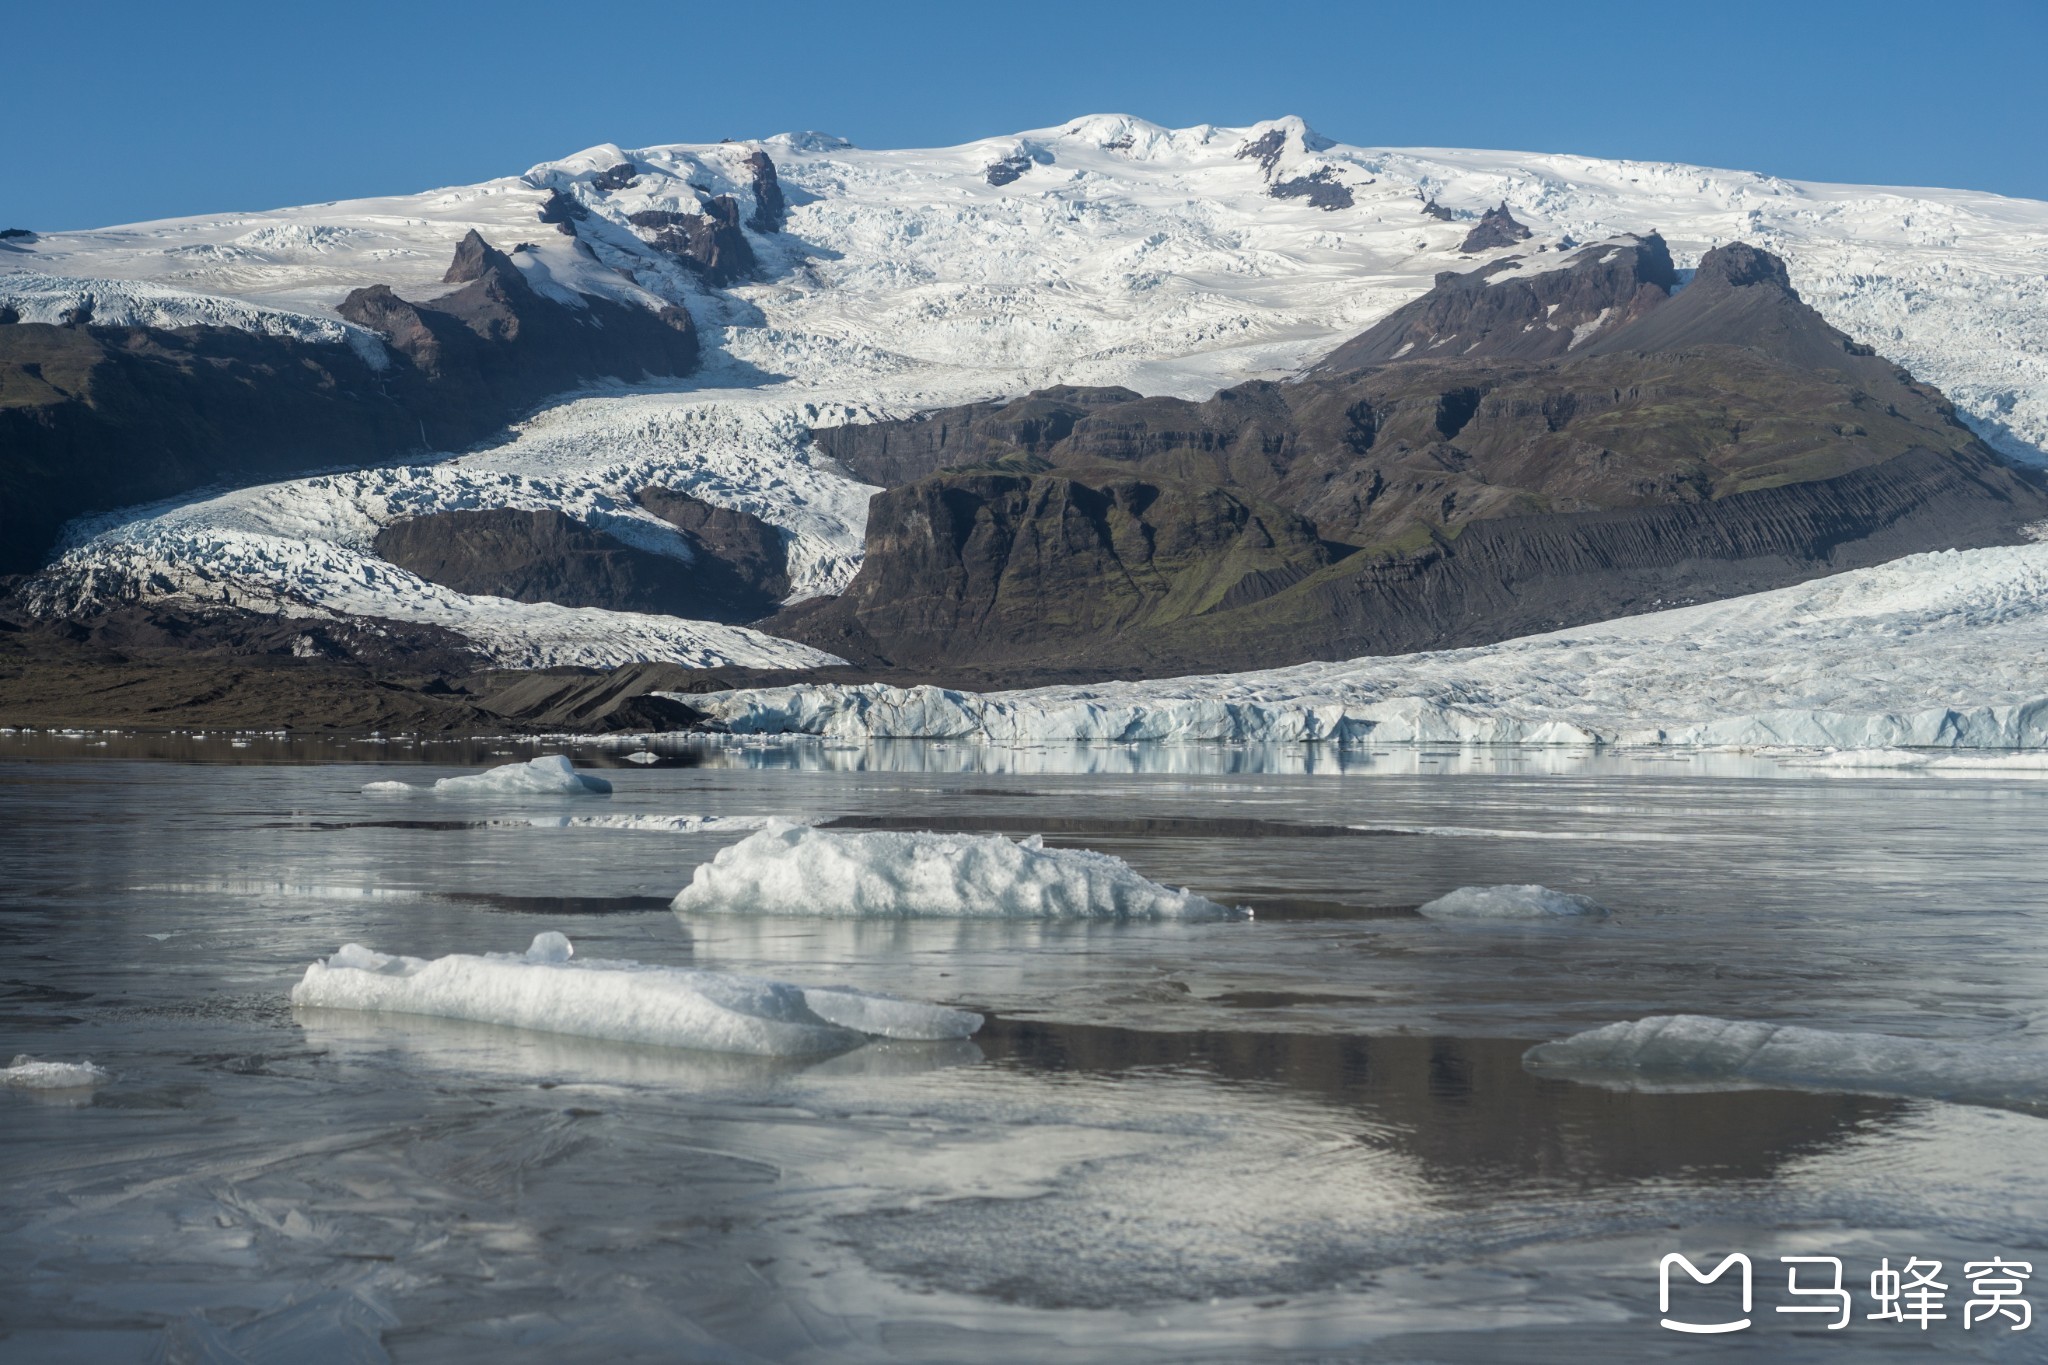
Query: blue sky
(123,111)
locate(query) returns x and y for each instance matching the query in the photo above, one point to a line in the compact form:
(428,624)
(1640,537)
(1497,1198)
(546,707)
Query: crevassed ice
(548,775)
(789,869)
(1935,650)
(1699,1050)
(1527,902)
(549,990)
(26,1073)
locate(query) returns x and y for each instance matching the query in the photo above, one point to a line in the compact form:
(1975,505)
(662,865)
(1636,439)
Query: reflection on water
(1305,1137)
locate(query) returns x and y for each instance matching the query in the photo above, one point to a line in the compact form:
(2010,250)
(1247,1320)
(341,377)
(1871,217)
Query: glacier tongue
(1937,650)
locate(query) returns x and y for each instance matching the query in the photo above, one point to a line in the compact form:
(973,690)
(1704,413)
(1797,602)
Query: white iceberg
(549,990)
(1526,902)
(548,775)
(1693,1051)
(26,1073)
(789,869)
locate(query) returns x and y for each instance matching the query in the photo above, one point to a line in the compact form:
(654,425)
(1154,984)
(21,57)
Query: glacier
(1943,650)
(789,869)
(549,990)
(1526,902)
(1683,1051)
(1129,253)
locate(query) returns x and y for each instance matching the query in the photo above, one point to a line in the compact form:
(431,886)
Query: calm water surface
(1307,1136)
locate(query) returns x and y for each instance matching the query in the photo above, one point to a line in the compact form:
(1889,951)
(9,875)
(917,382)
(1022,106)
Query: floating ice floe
(1693,1051)
(549,775)
(643,756)
(658,824)
(789,869)
(549,990)
(2023,763)
(1528,902)
(26,1073)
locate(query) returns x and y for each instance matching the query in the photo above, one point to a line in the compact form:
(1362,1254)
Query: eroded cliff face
(95,417)
(1470,469)
(737,569)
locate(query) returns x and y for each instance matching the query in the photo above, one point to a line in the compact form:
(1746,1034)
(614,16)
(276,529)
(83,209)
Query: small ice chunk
(643,756)
(1528,902)
(548,775)
(550,990)
(550,947)
(26,1073)
(790,869)
(1697,1051)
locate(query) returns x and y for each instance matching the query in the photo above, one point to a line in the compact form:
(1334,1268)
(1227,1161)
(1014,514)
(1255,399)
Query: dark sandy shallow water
(1306,1136)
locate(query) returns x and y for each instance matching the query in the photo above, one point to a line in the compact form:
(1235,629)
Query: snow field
(788,869)
(549,990)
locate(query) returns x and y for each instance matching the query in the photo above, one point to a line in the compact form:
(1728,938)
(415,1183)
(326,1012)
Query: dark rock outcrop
(1496,312)
(1266,149)
(1495,228)
(1321,188)
(770,208)
(739,570)
(617,177)
(562,212)
(542,556)
(892,453)
(1007,170)
(94,417)
(1432,209)
(741,559)
(1722,440)
(709,243)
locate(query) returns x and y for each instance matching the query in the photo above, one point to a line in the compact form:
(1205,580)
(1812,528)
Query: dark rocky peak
(16,235)
(709,243)
(476,259)
(1320,187)
(563,212)
(770,208)
(1504,311)
(1495,228)
(1742,296)
(1432,209)
(617,177)
(1268,147)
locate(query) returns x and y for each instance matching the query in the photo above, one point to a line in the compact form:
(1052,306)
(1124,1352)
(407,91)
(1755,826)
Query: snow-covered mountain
(1104,251)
